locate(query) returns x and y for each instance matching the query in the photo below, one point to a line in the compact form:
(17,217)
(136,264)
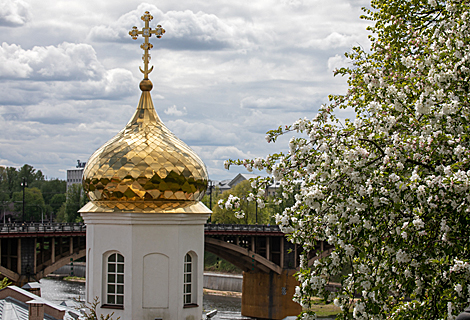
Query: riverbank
(223,293)
(65,278)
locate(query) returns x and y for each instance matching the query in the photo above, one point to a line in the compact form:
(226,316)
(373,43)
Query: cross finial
(146,32)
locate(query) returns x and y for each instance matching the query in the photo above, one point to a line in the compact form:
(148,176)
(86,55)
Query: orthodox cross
(146,32)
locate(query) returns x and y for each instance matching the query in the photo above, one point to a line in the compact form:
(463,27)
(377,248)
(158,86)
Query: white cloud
(67,61)
(271,103)
(293,3)
(337,62)
(229,152)
(184,29)
(173,111)
(14,13)
(52,113)
(197,133)
(214,159)
(332,41)
(114,84)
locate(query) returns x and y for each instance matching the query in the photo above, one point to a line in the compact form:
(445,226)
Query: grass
(74,279)
(324,310)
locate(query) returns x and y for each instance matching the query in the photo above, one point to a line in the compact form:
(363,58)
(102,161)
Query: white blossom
(389,189)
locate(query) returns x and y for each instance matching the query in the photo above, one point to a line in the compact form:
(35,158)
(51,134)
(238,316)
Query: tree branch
(420,164)
(375,144)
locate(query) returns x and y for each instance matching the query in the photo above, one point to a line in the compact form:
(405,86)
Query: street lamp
(24,185)
(211,184)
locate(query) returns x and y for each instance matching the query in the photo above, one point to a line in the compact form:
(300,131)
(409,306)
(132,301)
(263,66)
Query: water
(227,307)
(59,290)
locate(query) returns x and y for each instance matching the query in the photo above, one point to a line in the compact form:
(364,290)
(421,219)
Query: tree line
(44,199)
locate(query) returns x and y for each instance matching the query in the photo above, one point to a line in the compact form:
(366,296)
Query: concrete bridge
(31,251)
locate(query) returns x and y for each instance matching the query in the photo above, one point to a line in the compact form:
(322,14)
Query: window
(188,279)
(115,280)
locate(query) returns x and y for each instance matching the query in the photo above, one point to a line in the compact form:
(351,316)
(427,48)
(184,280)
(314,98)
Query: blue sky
(225,72)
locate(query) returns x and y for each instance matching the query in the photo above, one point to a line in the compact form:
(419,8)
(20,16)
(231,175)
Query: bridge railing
(34,227)
(41,227)
(241,227)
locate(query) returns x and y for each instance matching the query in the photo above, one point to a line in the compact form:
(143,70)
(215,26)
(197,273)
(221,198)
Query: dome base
(146,207)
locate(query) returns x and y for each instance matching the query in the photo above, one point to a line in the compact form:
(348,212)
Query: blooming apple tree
(390,188)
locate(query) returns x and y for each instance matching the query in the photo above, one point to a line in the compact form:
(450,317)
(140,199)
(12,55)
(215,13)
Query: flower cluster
(391,189)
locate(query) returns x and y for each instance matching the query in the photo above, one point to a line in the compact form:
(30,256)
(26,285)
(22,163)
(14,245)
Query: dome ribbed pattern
(145,167)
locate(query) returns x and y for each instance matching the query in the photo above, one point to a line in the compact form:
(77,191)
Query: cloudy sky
(224,73)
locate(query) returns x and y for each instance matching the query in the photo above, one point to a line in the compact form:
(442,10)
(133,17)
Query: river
(59,290)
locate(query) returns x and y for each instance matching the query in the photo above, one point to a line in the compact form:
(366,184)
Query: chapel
(145,221)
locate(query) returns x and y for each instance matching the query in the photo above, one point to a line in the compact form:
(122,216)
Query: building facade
(74,176)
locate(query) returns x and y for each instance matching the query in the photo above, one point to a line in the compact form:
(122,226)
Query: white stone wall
(153,246)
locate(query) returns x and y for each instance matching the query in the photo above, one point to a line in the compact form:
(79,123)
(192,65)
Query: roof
(241,177)
(32,285)
(230,183)
(11,308)
(223,183)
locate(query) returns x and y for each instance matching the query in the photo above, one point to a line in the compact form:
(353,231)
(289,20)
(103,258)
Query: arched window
(189,283)
(115,280)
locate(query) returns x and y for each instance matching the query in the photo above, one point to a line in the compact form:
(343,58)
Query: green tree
(4,193)
(57,201)
(5,282)
(61,215)
(11,178)
(34,204)
(29,174)
(10,182)
(75,199)
(390,190)
(53,192)
(50,188)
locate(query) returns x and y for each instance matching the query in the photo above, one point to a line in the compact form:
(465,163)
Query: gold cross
(146,32)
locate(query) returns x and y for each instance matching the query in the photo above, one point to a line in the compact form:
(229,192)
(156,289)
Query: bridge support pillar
(269,295)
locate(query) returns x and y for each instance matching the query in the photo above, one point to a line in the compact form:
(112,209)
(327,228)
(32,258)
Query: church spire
(146,32)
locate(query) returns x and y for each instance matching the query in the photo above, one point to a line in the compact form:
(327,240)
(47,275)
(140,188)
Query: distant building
(74,176)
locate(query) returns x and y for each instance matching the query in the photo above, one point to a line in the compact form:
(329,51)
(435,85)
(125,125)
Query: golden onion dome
(145,166)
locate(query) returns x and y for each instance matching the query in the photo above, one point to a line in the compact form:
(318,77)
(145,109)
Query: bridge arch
(17,278)
(60,263)
(244,259)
